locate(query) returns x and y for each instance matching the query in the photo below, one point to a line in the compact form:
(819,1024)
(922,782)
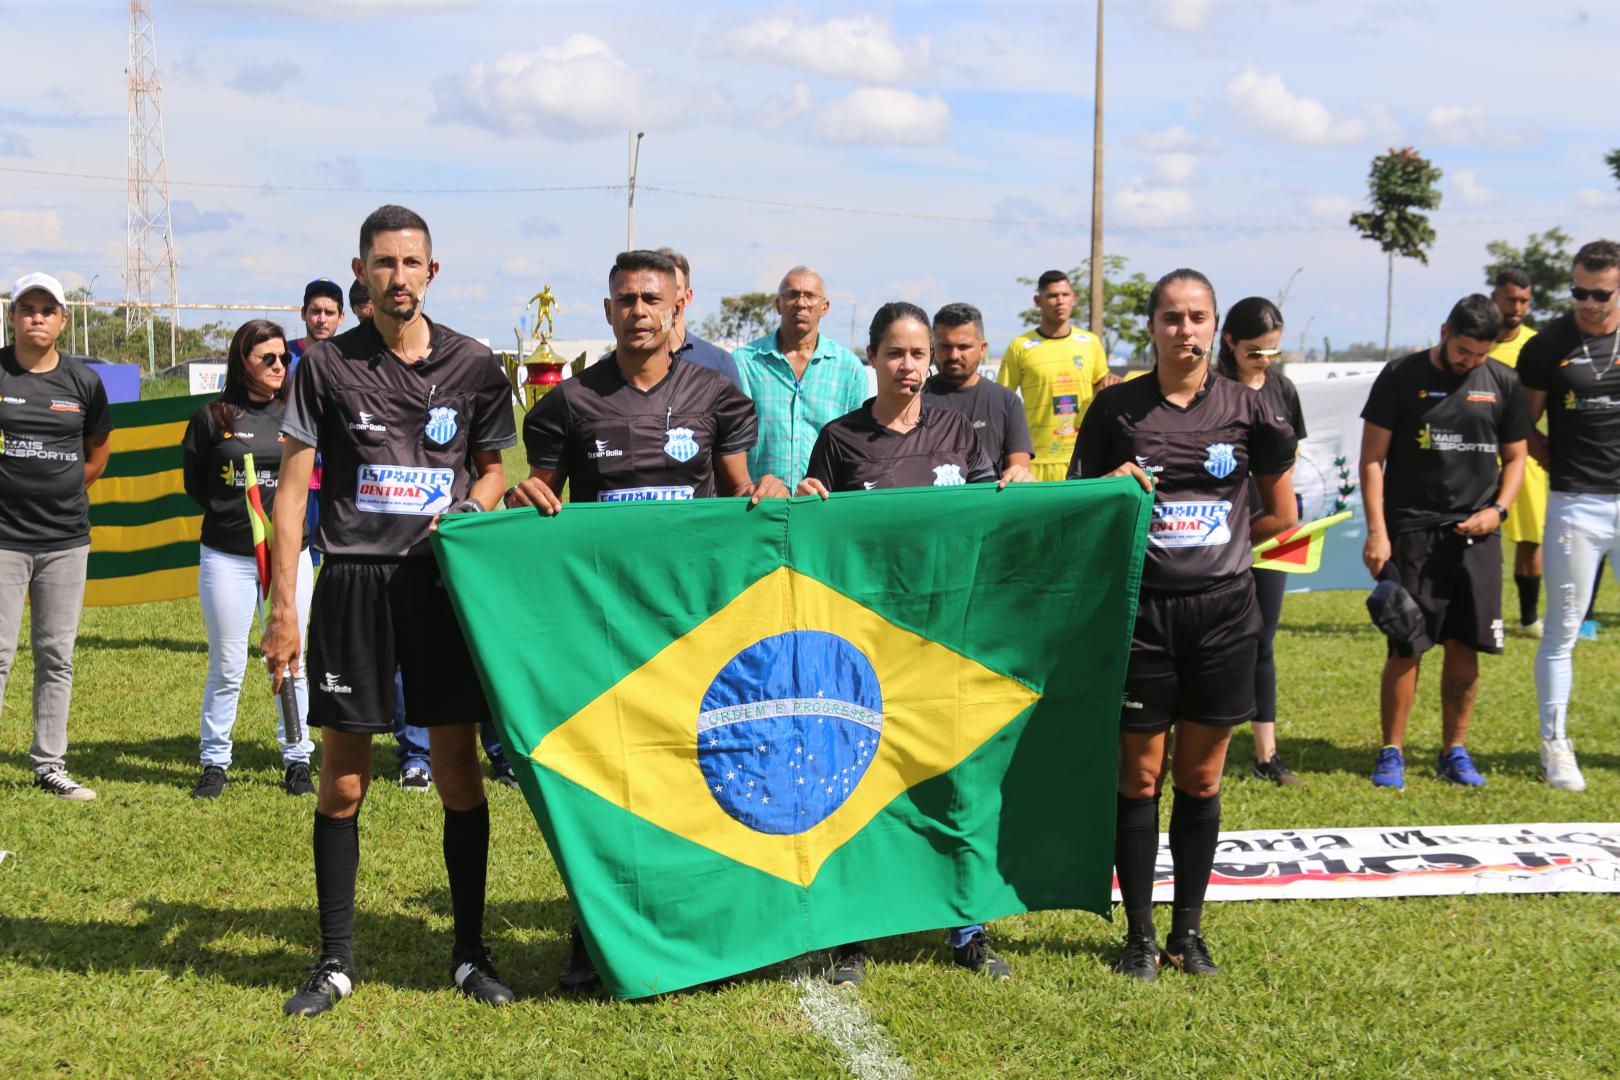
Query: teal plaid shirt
(792,411)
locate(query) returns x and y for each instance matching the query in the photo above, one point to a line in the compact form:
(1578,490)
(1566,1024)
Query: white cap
(30,282)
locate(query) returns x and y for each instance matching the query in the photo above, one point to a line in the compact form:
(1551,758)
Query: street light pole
(635,157)
(1282,294)
(1097,286)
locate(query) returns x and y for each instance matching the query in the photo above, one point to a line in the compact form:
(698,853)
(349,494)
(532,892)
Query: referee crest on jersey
(1221,461)
(679,444)
(441,424)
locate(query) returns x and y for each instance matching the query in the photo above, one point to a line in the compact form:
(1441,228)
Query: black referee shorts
(1192,658)
(1457,583)
(369,617)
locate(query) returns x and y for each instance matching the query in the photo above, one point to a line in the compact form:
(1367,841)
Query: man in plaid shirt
(799,379)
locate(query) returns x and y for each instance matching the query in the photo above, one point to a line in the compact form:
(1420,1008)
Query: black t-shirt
(215,473)
(44,419)
(616,443)
(1202,457)
(1446,433)
(856,453)
(396,439)
(1583,405)
(1282,398)
(995,412)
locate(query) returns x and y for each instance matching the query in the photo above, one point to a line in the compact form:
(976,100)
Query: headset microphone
(1197,350)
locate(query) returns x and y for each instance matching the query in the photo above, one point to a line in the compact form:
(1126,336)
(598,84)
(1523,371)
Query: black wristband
(467,506)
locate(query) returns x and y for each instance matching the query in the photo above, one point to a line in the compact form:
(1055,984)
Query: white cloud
(862,47)
(1597,198)
(521,266)
(22,230)
(1266,103)
(574,90)
(1181,16)
(928,291)
(776,113)
(1330,207)
(1175,169)
(340,10)
(188,219)
(1465,182)
(1153,206)
(1457,123)
(1176,139)
(881,115)
(264,78)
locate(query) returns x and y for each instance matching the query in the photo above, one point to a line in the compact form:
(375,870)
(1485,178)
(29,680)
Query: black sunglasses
(270,359)
(1600,295)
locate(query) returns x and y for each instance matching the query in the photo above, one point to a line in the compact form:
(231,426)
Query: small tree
(1400,184)
(1546,258)
(1612,160)
(741,318)
(1124,304)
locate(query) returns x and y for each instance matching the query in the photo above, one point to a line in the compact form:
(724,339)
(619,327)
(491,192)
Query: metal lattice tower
(149,258)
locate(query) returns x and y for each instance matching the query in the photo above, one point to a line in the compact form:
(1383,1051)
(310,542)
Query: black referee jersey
(396,439)
(856,453)
(616,443)
(1201,456)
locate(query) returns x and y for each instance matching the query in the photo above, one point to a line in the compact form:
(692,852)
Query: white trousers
(228,586)
(1581,529)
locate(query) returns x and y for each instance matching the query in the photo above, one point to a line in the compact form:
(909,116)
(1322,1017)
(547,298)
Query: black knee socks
(337,861)
(1136,849)
(1195,827)
(1529,596)
(466,860)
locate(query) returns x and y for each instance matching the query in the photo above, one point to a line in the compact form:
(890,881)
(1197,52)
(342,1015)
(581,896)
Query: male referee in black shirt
(1436,423)
(410,419)
(995,411)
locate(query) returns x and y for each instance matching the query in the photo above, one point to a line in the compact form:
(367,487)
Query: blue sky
(1238,139)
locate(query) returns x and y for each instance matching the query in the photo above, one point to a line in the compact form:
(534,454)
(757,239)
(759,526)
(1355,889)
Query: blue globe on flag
(787,730)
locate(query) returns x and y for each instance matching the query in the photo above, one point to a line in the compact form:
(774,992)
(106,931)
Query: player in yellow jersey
(1057,369)
(1524,523)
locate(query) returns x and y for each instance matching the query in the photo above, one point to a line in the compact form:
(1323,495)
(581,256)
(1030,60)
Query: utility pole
(149,250)
(635,157)
(1282,294)
(1097,286)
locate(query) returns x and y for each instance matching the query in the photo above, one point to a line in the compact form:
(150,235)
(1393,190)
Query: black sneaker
(849,965)
(503,774)
(978,957)
(474,975)
(1140,960)
(330,981)
(211,784)
(416,779)
(579,971)
(297,781)
(55,779)
(1189,953)
(1277,771)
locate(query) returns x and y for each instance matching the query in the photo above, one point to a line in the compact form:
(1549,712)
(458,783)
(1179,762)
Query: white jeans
(1581,529)
(228,586)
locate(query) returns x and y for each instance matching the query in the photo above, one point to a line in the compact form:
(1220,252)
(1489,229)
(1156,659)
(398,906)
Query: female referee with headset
(1193,439)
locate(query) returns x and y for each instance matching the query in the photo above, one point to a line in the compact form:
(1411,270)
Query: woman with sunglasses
(1251,344)
(244,419)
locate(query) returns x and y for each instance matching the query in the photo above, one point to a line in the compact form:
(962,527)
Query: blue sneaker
(1588,630)
(1390,769)
(1456,767)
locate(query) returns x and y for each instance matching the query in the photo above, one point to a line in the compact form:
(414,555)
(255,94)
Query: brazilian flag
(752,733)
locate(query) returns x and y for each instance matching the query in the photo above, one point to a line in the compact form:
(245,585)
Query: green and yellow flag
(754,733)
(144,528)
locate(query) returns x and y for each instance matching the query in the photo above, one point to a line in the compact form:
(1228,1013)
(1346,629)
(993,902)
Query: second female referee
(1194,439)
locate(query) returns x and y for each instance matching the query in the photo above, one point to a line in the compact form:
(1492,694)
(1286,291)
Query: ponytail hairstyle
(889,314)
(1248,319)
(250,335)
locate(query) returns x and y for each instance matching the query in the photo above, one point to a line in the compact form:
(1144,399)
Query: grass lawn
(147,934)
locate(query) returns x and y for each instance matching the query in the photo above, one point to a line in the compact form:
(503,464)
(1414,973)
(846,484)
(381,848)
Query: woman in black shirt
(1250,347)
(244,419)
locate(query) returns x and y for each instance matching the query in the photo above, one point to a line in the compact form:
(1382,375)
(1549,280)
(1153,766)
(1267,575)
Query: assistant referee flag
(144,528)
(754,733)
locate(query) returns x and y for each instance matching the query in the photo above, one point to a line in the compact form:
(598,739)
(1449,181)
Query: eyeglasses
(1600,295)
(1262,354)
(803,299)
(272,359)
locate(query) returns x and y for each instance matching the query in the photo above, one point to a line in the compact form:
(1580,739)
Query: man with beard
(996,413)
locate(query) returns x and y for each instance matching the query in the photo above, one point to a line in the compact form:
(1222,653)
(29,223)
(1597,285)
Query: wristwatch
(1501,510)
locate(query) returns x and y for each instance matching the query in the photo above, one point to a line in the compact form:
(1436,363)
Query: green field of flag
(747,734)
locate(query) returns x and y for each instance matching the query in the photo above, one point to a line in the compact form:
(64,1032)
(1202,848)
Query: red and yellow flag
(1297,550)
(260,523)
